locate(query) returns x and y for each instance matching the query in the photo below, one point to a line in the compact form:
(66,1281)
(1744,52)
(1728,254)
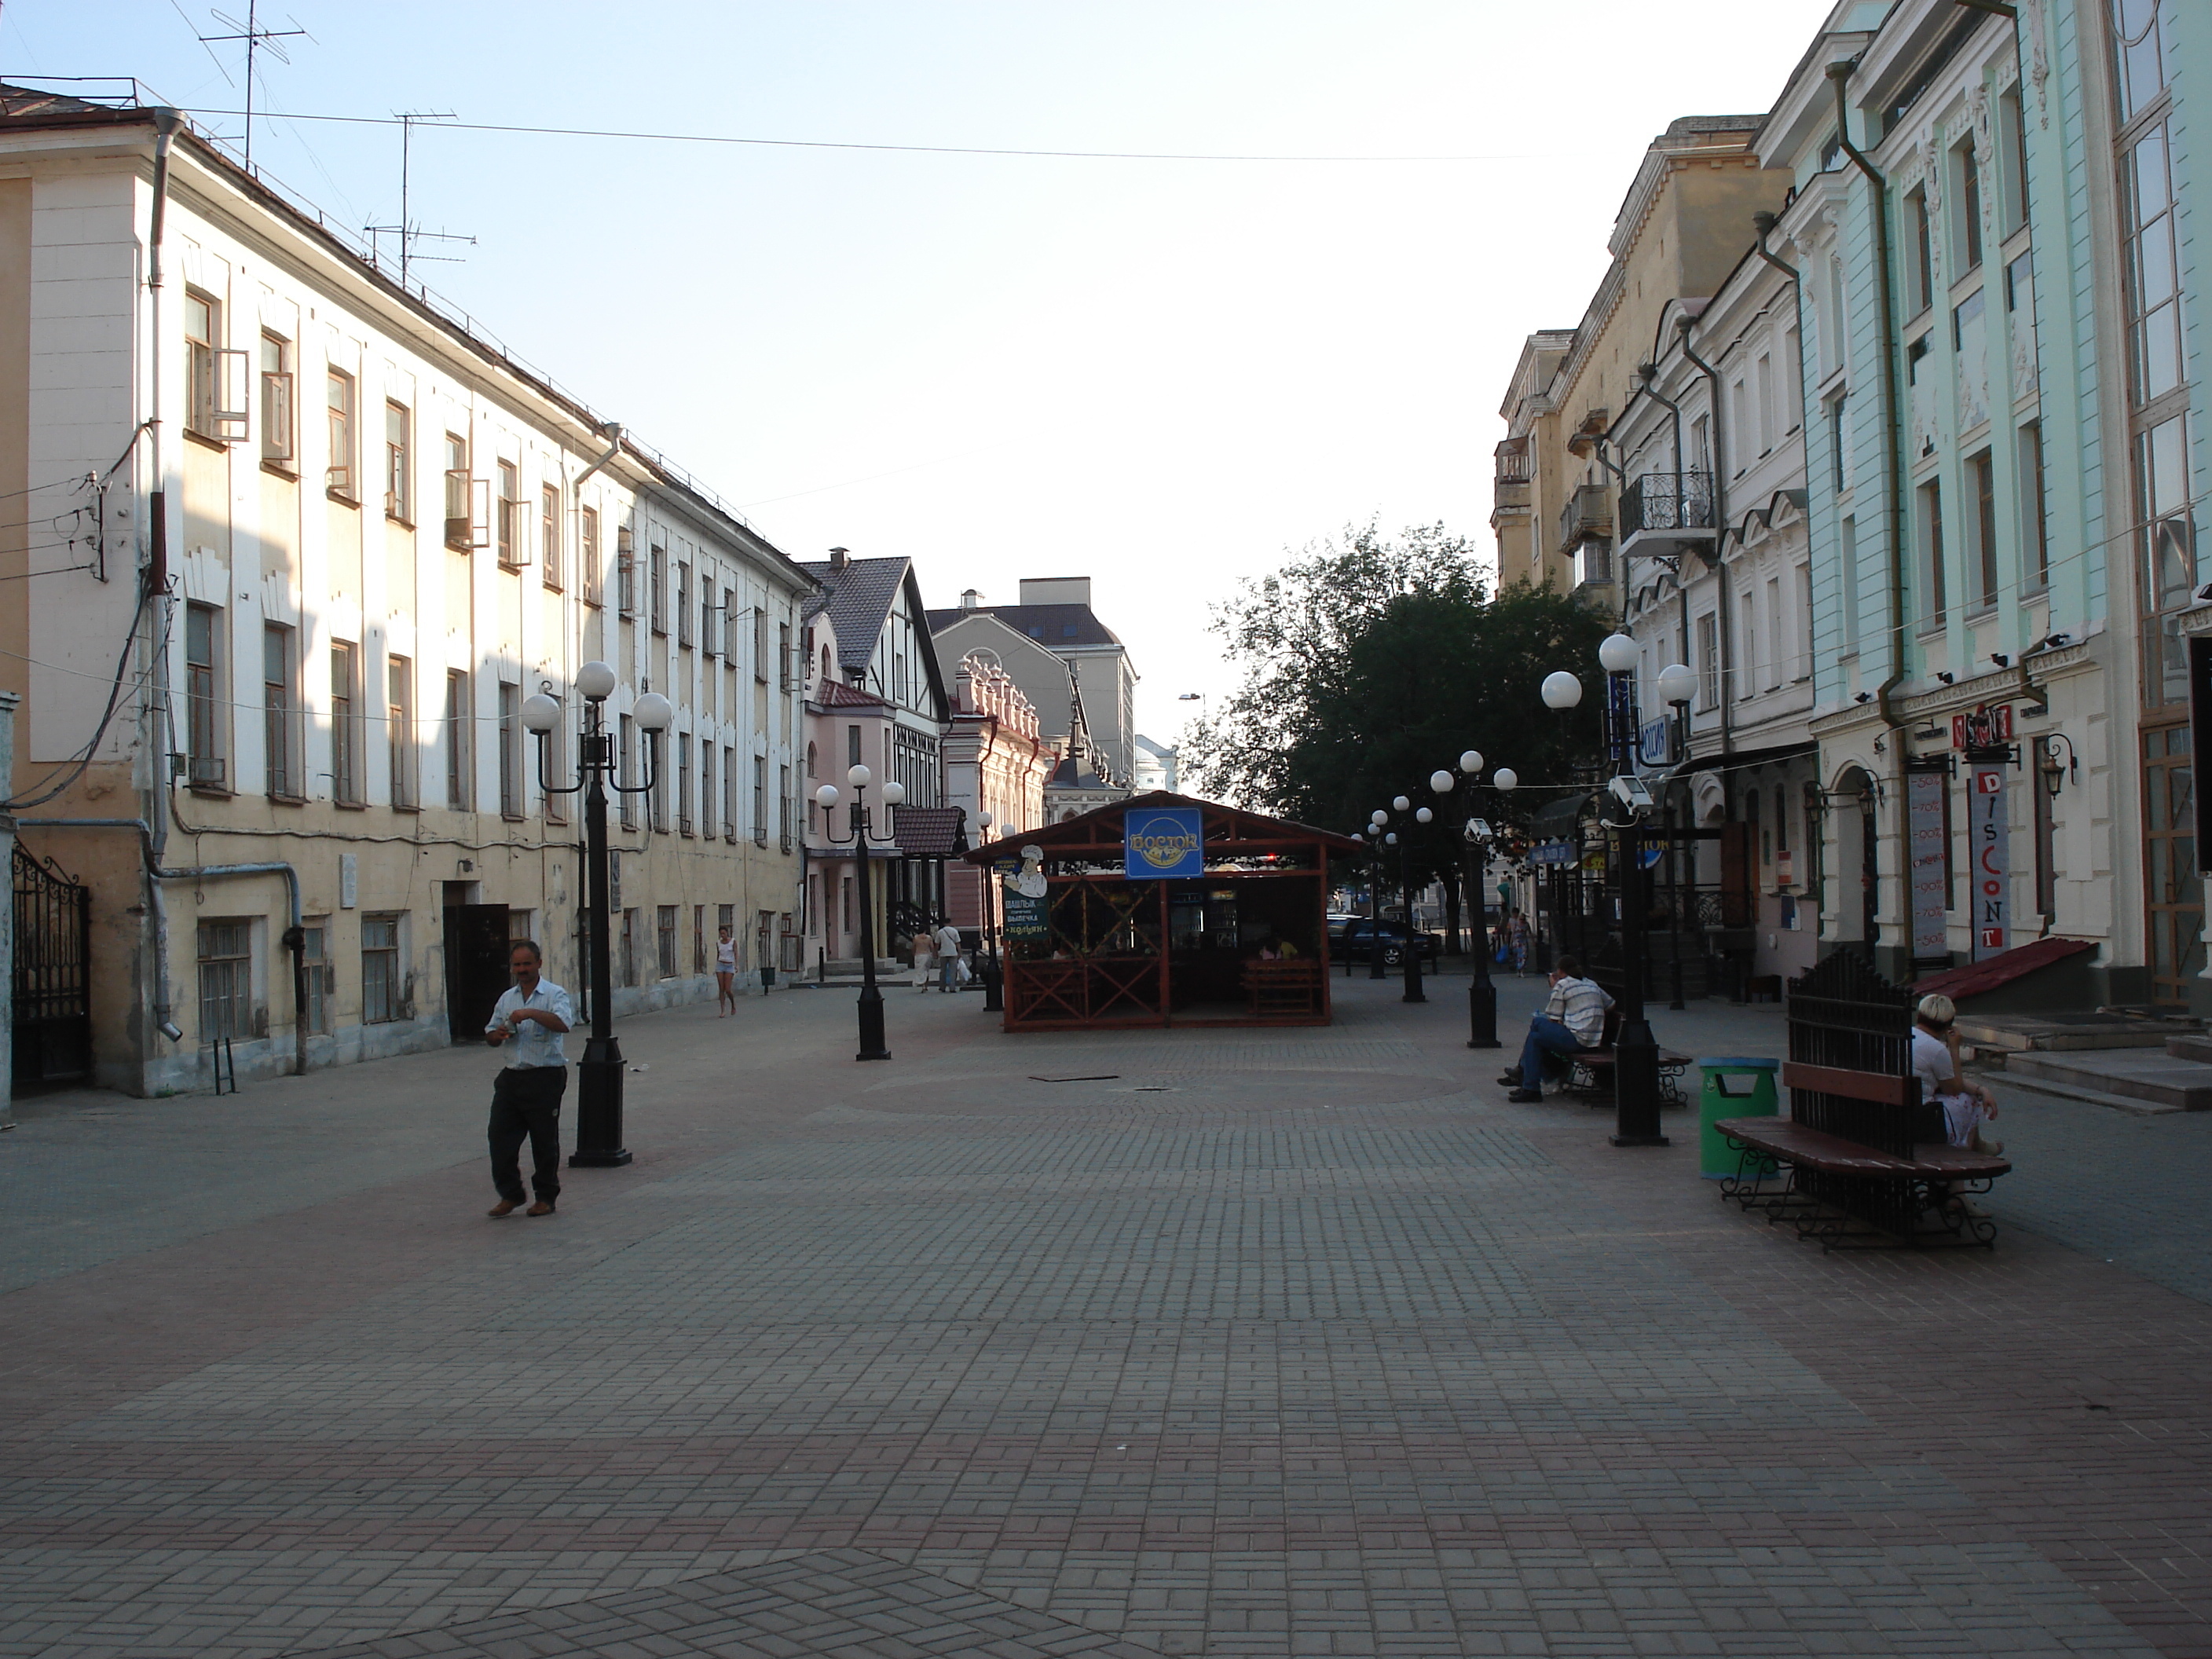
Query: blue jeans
(948,968)
(1546,1037)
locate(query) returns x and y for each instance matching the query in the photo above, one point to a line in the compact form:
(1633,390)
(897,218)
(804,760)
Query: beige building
(1679,233)
(294,546)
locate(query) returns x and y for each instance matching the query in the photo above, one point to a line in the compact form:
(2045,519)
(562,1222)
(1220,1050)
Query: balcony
(1588,512)
(1663,513)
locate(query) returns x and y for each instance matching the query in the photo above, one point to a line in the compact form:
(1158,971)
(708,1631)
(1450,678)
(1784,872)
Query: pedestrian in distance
(925,959)
(726,974)
(948,958)
(531,1020)
(1573,1019)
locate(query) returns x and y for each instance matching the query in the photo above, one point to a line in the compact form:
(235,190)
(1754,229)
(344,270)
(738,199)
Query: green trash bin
(1736,1086)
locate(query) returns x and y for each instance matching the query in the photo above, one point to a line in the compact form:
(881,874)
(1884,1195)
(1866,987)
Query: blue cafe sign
(1162,841)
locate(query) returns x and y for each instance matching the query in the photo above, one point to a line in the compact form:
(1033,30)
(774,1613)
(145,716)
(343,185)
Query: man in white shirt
(531,1019)
(948,958)
(1573,1019)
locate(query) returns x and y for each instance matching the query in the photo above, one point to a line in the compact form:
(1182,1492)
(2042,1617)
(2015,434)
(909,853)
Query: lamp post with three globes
(858,838)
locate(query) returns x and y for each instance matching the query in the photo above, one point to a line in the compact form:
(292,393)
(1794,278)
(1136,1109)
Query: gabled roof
(861,596)
(1053,626)
(835,693)
(930,832)
(1100,830)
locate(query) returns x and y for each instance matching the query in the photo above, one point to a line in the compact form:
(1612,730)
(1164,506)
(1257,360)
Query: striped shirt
(1580,1005)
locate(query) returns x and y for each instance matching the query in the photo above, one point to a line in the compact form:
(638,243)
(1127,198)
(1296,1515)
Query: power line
(906,150)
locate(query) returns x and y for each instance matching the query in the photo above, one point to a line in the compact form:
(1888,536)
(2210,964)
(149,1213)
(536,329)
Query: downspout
(1649,374)
(1720,533)
(1886,300)
(166,123)
(295,937)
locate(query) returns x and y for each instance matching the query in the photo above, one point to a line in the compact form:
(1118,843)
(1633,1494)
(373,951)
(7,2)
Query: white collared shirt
(531,1043)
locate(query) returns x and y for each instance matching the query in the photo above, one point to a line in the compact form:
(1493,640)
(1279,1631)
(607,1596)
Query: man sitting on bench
(1572,1021)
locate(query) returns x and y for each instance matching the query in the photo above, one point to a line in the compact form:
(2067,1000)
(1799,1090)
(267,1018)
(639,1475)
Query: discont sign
(1165,840)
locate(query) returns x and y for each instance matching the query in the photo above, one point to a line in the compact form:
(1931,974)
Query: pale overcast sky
(1159,373)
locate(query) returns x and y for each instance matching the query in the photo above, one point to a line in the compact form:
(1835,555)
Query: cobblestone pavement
(1219,1342)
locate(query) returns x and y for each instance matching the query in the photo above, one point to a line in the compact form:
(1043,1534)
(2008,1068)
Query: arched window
(826,673)
(811,772)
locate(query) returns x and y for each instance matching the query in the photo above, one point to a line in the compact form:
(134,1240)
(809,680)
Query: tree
(1369,663)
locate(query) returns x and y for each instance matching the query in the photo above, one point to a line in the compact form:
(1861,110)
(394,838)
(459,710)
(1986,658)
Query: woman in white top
(726,974)
(1966,1105)
(925,955)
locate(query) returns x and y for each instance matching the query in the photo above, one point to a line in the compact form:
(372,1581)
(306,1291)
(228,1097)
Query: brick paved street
(1303,1342)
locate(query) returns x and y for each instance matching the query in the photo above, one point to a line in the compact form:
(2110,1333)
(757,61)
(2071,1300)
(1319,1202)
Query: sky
(1165,374)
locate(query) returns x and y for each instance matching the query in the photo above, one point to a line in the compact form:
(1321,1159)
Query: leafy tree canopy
(1367,664)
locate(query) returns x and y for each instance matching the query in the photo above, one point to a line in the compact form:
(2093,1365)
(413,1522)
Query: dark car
(1337,921)
(1359,939)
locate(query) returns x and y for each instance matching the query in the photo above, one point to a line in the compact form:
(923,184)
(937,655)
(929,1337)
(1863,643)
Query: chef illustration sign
(1162,841)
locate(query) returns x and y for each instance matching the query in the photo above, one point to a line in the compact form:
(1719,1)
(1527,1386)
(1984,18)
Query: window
(698,938)
(506,530)
(2168,559)
(345,699)
(784,676)
(399,464)
(812,774)
(629,946)
(459,486)
(1839,443)
(457,739)
(664,930)
(382,997)
(1801,662)
(276,425)
(203,338)
(1848,578)
(204,702)
(851,745)
(549,533)
(588,552)
(657,774)
(1920,264)
(1747,648)
(1967,171)
(728,630)
(2144,31)
(510,749)
(656,594)
(683,602)
(626,768)
(2151,281)
(711,638)
(1981,479)
(279,719)
(399,721)
(1766,404)
(1740,424)
(760,799)
(226,965)
(1773,661)
(1709,658)
(337,392)
(706,796)
(683,782)
(2035,507)
(315,964)
(760,644)
(625,572)
(1931,541)
(2012,134)
(729,793)
(845,886)
(1835,308)
(783,806)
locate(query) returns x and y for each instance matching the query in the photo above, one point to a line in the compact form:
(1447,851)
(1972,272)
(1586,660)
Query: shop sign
(1985,728)
(1990,860)
(1168,841)
(1026,916)
(1928,890)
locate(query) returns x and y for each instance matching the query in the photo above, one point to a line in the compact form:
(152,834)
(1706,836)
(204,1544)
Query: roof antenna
(407,232)
(255,37)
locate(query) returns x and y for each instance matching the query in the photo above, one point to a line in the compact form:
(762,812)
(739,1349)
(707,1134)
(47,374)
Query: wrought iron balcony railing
(1668,501)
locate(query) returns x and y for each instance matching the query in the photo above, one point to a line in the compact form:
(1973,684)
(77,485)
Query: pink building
(995,762)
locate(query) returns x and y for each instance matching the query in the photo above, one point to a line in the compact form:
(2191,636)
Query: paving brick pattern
(1253,1346)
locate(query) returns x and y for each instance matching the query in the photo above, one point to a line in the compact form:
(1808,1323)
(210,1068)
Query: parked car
(1360,936)
(1337,921)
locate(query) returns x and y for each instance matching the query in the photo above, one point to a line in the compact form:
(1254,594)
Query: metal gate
(52,1009)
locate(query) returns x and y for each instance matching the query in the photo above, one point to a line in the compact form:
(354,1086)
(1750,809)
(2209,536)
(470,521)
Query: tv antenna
(256,38)
(407,229)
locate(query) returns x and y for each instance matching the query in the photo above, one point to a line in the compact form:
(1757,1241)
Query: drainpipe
(1720,533)
(295,938)
(166,123)
(612,432)
(1885,298)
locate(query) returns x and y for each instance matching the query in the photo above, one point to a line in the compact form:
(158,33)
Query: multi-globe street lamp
(1475,836)
(858,838)
(994,992)
(599,1074)
(1378,835)
(1636,1068)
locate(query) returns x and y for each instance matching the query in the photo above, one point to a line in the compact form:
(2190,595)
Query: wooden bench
(1893,1190)
(1282,988)
(1590,1071)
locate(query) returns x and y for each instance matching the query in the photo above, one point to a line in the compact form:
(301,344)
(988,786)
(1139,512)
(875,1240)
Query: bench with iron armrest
(1590,1071)
(1824,1182)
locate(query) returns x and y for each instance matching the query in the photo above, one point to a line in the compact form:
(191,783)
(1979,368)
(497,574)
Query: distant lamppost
(1636,1067)
(599,1073)
(1475,837)
(994,990)
(871,1000)
(1678,684)
(1412,968)
(1377,836)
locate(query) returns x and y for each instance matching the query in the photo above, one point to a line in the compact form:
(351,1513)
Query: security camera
(1864,696)
(1631,793)
(2204,594)
(2059,641)
(1947,679)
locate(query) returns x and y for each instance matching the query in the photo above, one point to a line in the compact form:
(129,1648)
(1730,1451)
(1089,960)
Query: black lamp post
(599,1073)
(1475,837)
(871,998)
(1636,1067)
(994,990)
(1677,684)
(1412,965)
(1376,838)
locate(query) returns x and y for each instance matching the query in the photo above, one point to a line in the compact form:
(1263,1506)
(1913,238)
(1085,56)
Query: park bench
(1862,1161)
(1282,987)
(1590,1071)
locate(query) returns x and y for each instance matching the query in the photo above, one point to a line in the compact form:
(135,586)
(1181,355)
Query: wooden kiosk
(1164,910)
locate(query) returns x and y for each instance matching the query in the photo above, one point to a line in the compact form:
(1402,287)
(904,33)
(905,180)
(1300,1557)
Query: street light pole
(1412,967)
(1375,820)
(599,1073)
(994,990)
(1475,837)
(871,998)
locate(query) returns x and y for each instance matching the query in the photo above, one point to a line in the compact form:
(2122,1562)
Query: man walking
(948,958)
(531,1018)
(1573,1019)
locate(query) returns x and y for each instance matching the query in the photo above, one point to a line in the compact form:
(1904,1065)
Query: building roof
(1055,627)
(1100,830)
(835,693)
(930,832)
(860,598)
(1066,775)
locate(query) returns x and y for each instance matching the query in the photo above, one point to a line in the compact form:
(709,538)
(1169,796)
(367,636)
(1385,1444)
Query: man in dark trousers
(531,1018)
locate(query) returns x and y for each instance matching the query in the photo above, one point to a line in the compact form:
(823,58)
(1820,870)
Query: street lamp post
(994,990)
(1677,684)
(1412,968)
(871,998)
(1636,1051)
(1375,820)
(599,1073)
(1475,837)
